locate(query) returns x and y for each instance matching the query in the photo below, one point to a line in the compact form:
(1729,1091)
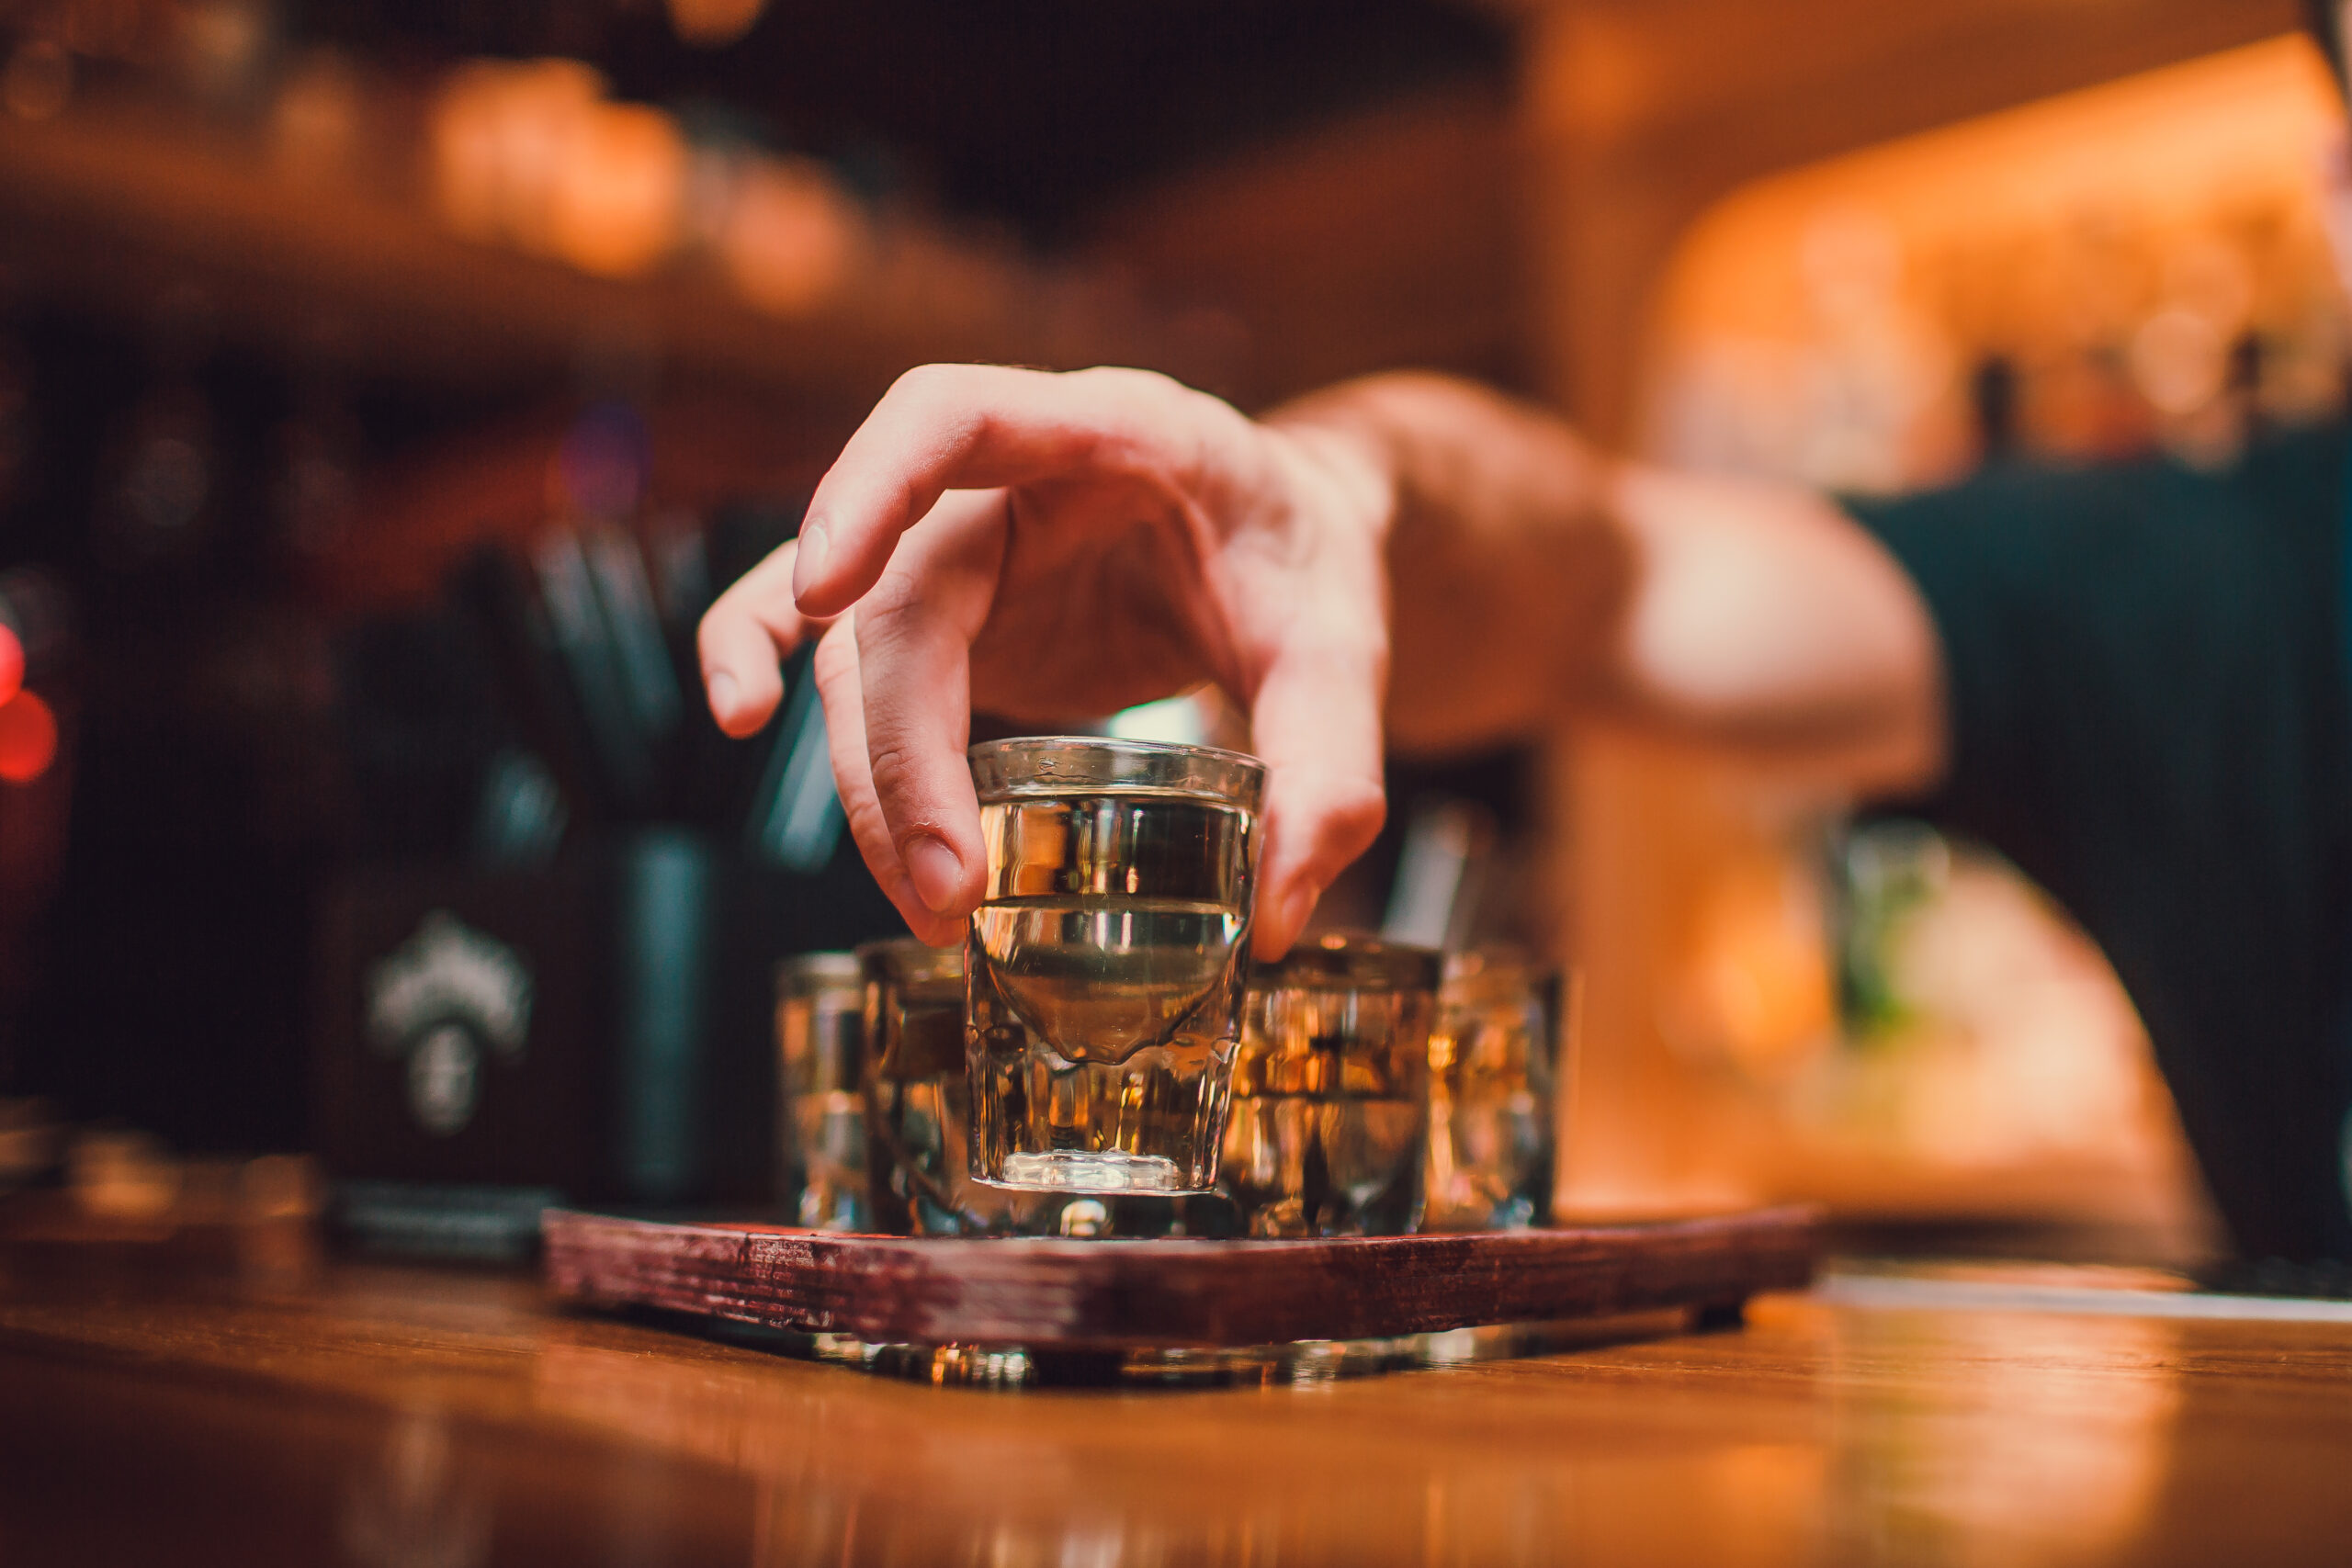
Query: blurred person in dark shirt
(2135,680)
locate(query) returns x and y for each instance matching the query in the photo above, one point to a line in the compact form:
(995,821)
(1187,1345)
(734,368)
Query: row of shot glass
(1375,1089)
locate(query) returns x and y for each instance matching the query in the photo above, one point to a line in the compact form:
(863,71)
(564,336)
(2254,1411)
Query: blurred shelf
(119,208)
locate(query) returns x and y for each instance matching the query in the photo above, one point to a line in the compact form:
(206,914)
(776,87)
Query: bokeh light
(790,237)
(27,738)
(12,662)
(714,24)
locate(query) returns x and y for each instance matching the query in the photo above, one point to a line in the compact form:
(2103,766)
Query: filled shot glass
(1493,1068)
(821,1047)
(1330,1090)
(1107,961)
(916,1105)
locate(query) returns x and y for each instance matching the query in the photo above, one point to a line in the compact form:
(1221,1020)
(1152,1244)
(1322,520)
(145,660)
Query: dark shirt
(2150,713)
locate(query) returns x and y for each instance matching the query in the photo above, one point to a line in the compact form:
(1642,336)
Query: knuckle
(941,399)
(924,382)
(1128,379)
(897,769)
(943,402)
(894,605)
(1152,397)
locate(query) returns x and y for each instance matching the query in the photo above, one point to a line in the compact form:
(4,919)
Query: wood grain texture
(368,1414)
(1080,1294)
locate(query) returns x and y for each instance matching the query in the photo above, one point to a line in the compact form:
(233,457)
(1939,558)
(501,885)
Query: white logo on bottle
(445,997)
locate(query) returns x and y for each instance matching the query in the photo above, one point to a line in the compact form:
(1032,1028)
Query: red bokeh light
(27,738)
(12,662)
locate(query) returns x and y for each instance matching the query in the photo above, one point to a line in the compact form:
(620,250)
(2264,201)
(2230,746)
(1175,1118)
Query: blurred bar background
(384,390)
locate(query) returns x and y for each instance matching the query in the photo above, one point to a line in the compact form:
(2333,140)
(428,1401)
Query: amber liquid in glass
(1106,966)
(1329,1105)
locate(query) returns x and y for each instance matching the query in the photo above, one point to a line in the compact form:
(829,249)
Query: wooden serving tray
(1100,1295)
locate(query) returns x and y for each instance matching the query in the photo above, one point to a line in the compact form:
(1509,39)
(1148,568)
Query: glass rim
(803,973)
(1501,964)
(1032,766)
(904,960)
(1360,962)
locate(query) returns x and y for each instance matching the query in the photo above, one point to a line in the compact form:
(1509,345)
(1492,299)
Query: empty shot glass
(1493,1067)
(1330,1092)
(916,1102)
(1107,961)
(820,1125)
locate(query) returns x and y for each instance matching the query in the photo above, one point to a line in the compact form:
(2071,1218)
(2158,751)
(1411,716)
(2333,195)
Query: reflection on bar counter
(1492,1072)
(821,1128)
(1107,961)
(1298,1363)
(1329,1092)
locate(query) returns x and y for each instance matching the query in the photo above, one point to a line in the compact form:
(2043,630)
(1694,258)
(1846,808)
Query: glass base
(1081,1170)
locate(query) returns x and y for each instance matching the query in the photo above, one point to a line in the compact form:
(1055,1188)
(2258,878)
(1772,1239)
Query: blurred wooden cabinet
(1638,114)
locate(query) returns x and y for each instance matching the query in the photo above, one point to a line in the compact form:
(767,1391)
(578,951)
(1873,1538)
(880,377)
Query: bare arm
(1535,579)
(1054,546)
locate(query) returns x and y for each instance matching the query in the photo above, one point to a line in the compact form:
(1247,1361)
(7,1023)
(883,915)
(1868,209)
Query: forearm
(1534,579)
(1507,570)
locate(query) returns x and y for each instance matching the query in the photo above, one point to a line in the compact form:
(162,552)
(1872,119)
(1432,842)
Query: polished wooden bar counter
(439,1420)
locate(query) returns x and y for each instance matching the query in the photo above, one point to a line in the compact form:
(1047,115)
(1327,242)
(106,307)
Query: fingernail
(811,559)
(722,695)
(936,871)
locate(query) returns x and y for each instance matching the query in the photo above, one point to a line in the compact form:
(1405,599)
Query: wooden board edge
(1066,1294)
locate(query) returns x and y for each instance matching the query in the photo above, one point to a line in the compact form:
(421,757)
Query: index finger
(945,427)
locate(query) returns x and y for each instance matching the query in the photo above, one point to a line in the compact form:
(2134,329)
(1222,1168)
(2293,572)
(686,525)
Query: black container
(597,1031)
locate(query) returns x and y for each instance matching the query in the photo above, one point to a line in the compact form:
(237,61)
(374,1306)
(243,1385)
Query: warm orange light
(790,237)
(12,663)
(500,132)
(616,195)
(713,24)
(27,738)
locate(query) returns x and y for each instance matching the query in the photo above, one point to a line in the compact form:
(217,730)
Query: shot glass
(1330,1095)
(916,1102)
(820,1130)
(1493,1068)
(1107,962)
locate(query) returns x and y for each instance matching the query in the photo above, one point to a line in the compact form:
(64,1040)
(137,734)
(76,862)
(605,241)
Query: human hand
(1045,544)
